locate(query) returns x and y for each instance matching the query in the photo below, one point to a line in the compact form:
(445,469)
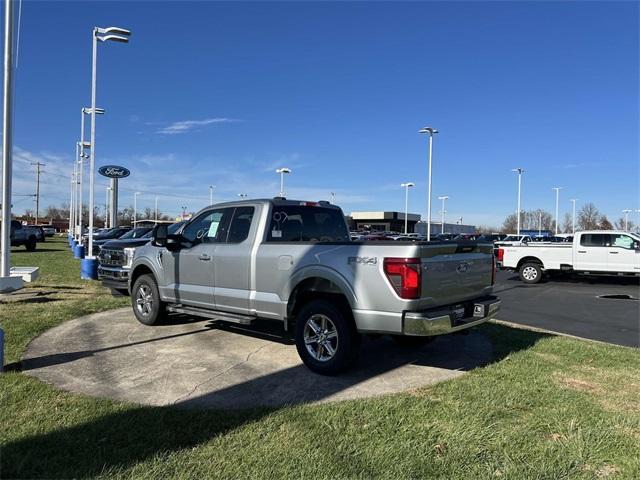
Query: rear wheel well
(530,260)
(316,288)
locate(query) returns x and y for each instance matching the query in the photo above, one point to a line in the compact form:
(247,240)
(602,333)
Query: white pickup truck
(591,252)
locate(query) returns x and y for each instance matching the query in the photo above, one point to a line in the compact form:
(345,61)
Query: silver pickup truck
(293,261)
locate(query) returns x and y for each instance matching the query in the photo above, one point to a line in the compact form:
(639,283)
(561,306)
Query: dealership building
(382,221)
(394,222)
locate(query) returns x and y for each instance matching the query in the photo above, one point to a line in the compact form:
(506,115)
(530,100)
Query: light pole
(211,187)
(406,186)
(444,199)
(573,218)
(431,131)
(135,208)
(156,208)
(81,146)
(557,189)
(333,198)
(7,137)
(540,222)
(71,205)
(626,219)
(519,171)
(113,34)
(282,171)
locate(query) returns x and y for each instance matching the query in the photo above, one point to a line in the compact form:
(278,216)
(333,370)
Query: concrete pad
(10,284)
(206,364)
(28,274)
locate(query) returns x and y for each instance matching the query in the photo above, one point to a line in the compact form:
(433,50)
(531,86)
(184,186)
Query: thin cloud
(188,125)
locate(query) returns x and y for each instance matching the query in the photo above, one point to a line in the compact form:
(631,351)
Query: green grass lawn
(549,407)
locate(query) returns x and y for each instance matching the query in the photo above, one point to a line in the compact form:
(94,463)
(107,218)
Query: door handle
(614,253)
(582,251)
(204,257)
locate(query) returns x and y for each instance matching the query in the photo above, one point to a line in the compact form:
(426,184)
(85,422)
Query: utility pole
(38,165)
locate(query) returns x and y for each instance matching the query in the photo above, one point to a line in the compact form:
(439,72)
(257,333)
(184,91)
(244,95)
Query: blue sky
(224,93)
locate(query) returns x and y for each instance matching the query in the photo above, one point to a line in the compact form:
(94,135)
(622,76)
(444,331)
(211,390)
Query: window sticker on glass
(622,241)
(276,233)
(213,229)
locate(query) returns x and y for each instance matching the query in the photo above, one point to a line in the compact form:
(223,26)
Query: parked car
(293,262)
(514,240)
(41,236)
(592,252)
(116,256)
(466,236)
(104,236)
(49,230)
(24,235)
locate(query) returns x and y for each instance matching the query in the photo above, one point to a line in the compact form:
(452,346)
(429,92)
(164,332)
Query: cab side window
(624,241)
(209,227)
(240,224)
(595,240)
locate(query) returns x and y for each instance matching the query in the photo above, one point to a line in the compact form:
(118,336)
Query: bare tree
(589,217)
(529,220)
(619,224)
(567,223)
(482,229)
(604,224)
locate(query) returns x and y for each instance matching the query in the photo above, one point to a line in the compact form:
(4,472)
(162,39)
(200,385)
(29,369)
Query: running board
(212,314)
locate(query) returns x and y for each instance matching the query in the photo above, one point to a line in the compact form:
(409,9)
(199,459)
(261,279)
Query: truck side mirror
(160,235)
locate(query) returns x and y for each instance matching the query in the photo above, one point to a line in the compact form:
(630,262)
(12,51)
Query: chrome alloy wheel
(320,337)
(144,300)
(529,273)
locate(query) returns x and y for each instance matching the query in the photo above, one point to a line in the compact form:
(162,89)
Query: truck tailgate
(455,272)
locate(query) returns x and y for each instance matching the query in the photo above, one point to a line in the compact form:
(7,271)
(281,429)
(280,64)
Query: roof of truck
(276,201)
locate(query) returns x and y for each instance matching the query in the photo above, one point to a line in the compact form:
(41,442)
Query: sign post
(114,172)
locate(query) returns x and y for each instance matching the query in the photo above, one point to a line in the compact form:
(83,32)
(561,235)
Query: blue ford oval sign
(113,171)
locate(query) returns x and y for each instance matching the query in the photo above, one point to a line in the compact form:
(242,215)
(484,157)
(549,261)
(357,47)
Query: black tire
(152,312)
(337,333)
(31,244)
(530,273)
(409,341)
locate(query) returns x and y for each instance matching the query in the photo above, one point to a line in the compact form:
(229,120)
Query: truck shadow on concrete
(129,435)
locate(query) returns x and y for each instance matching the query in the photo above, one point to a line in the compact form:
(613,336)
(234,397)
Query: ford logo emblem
(113,171)
(463,267)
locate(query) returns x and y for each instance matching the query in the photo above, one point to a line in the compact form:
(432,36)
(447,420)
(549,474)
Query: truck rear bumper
(451,318)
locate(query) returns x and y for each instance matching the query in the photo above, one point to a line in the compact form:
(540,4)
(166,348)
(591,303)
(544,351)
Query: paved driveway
(572,305)
(201,364)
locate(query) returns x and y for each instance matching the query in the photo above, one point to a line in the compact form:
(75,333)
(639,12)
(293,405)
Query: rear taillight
(404,274)
(500,254)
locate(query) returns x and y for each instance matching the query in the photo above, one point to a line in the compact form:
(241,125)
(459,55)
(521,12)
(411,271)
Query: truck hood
(122,244)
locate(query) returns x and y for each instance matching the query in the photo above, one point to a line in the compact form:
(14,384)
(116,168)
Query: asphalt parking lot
(572,305)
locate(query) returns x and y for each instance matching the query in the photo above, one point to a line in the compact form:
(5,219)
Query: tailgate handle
(582,251)
(614,252)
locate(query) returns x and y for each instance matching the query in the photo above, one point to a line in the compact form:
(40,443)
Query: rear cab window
(595,240)
(301,223)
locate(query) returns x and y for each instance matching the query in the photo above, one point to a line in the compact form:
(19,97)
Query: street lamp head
(408,184)
(88,110)
(114,38)
(117,30)
(283,170)
(518,170)
(626,210)
(445,197)
(557,188)
(429,130)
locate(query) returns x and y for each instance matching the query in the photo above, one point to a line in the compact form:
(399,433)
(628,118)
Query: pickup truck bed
(291,261)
